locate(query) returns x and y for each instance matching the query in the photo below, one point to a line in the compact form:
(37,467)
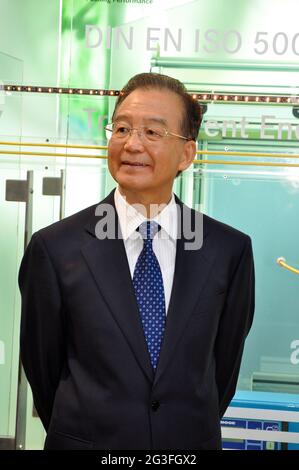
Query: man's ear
(188,155)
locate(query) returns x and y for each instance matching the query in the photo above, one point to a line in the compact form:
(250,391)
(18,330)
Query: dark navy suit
(83,346)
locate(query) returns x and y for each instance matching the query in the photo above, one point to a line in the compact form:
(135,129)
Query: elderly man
(132,338)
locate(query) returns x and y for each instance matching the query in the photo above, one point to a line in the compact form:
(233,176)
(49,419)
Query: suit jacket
(84,351)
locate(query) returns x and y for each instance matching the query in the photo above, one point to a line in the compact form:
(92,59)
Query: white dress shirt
(164,242)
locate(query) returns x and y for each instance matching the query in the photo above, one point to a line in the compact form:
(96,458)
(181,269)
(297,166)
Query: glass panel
(11,245)
(263,204)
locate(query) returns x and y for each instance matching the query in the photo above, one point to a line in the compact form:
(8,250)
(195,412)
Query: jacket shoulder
(227,239)
(224,230)
(215,228)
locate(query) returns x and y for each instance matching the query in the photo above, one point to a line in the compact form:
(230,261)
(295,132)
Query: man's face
(163,158)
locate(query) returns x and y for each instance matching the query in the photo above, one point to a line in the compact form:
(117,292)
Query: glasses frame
(131,129)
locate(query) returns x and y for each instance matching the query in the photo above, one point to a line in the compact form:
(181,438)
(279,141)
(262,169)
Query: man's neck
(148,205)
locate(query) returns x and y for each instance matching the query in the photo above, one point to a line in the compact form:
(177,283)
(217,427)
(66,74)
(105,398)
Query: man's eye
(153,133)
(121,130)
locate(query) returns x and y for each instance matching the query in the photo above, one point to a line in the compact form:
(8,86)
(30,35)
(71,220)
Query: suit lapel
(192,268)
(107,261)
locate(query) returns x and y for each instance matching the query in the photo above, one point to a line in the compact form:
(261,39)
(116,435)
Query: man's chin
(133,182)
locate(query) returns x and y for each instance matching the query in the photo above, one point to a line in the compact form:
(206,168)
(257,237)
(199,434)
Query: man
(130,338)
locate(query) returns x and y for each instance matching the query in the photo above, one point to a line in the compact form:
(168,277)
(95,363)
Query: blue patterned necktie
(149,291)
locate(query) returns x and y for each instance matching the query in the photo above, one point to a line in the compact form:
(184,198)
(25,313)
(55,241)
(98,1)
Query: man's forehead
(123,116)
(153,104)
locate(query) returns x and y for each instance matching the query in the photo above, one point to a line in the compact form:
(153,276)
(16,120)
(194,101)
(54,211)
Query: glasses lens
(153,134)
(120,131)
(146,133)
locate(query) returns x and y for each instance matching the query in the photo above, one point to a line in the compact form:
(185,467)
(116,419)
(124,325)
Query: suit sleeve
(234,326)
(42,327)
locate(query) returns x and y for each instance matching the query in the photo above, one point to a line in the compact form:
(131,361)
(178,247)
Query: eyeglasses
(120,131)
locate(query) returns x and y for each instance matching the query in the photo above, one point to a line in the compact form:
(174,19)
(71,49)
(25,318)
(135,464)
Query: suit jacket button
(155,405)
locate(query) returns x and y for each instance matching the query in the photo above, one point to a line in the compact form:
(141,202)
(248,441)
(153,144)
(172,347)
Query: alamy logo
(189,223)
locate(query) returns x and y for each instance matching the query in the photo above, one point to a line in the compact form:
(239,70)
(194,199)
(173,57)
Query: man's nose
(134,139)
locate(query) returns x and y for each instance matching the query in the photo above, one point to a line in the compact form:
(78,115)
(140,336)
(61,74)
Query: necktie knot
(148,229)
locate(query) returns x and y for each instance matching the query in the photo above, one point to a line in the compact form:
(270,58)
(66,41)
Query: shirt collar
(130,218)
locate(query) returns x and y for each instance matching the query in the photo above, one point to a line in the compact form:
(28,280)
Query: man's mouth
(134,163)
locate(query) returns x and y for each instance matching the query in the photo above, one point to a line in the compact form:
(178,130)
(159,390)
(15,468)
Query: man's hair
(192,115)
